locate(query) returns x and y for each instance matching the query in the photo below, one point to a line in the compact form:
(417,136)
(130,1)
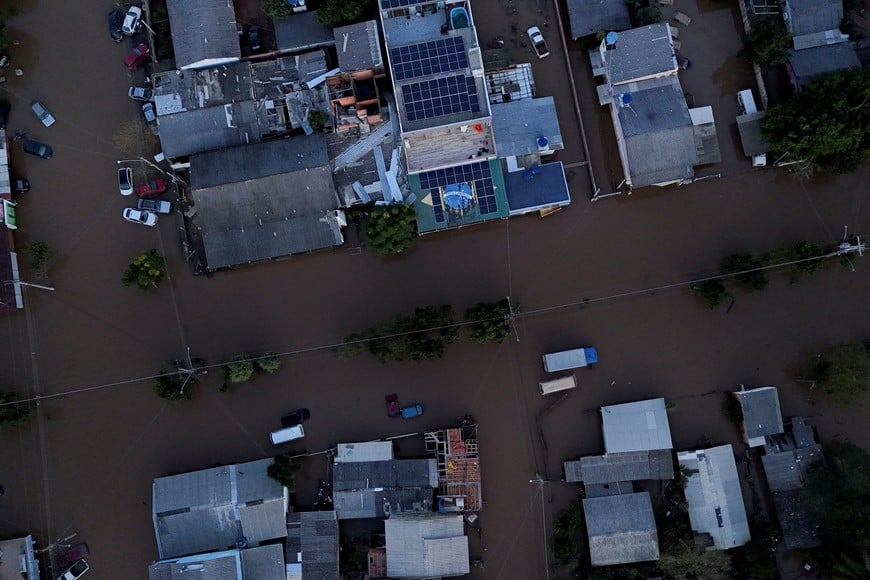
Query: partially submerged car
(77,552)
(412,411)
(140,93)
(155,205)
(75,571)
(40,111)
(132,21)
(151,189)
(125,180)
(20,185)
(297,417)
(38,149)
(137,56)
(146,218)
(116,17)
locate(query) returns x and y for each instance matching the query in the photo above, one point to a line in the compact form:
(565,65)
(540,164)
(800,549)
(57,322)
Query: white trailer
(570,359)
(556,385)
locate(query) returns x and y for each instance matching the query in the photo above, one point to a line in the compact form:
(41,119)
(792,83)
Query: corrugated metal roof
(808,16)
(761,412)
(301,32)
(714,497)
(811,63)
(786,470)
(625,466)
(263,563)
(397,473)
(358,46)
(800,529)
(198,130)
(226,565)
(637,426)
(426,546)
(203,30)
(364,452)
(639,53)
(621,529)
(593,16)
(313,544)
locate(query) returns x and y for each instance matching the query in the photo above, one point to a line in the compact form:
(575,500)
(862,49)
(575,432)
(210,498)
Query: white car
(132,21)
(75,571)
(43,114)
(146,218)
(125,180)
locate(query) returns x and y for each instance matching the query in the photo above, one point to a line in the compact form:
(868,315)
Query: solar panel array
(426,58)
(428,99)
(477,174)
(387,4)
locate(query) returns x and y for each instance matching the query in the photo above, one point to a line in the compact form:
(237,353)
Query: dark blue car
(38,149)
(115,19)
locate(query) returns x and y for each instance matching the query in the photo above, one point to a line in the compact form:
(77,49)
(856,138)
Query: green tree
(239,369)
(169,387)
(768,42)
(390,229)
(423,336)
(334,13)
(491,321)
(317,119)
(843,370)
(741,262)
(276,8)
(757,558)
(145,271)
(683,562)
(11,413)
(565,529)
(269,363)
(39,253)
(804,251)
(712,291)
(827,124)
(283,469)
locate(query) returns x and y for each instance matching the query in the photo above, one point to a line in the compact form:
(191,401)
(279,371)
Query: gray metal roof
(626,466)
(786,470)
(811,63)
(704,130)
(203,30)
(593,16)
(714,497)
(201,89)
(257,161)
(302,32)
(263,563)
(200,130)
(426,546)
(606,489)
(749,127)
(313,543)
(621,529)
(641,52)
(800,529)
(808,16)
(637,426)
(358,47)
(381,503)
(215,566)
(802,433)
(531,192)
(213,509)
(376,489)
(761,412)
(517,125)
(658,134)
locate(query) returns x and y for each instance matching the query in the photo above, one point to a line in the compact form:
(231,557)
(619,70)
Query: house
(11,297)
(18,558)
(788,457)
(264,201)
(260,563)
(426,545)
(594,16)
(204,33)
(637,426)
(716,509)
(302,33)
(311,551)
(621,467)
(809,16)
(621,529)
(761,414)
(808,64)
(358,47)
(218,509)
(458,459)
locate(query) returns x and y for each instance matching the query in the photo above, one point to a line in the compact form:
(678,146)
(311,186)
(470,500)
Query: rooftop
(787,470)
(811,63)
(260,563)
(364,452)
(761,414)
(377,489)
(800,529)
(809,16)
(716,507)
(638,426)
(213,508)
(274,79)
(749,127)
(200,130)
(618,467)
(621,529)
(426,546)
(312,544)
(593,16)
(19,559)
(449,145)
(456,452)
(302,32)
(358,47)
(203,32)
(518,126)
(541,187)
(641,53)
(704,132)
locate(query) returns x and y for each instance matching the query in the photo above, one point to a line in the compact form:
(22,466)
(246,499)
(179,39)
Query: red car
(151,189)
(70,557)
(137,56)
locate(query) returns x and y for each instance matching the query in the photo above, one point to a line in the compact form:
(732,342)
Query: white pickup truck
(538,42)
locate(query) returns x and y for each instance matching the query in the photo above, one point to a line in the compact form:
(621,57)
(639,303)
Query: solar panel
(438,97)
(426,58)
(477,174)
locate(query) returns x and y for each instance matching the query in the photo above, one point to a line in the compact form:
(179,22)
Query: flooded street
(85,462)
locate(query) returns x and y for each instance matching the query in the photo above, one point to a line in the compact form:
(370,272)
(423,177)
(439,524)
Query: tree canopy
(843,370)
(491,322)
(827,124)
(423,336)
(283,470)
(12,414)
(145,271)
(276,8)
(334,13)
(239,369)
(169,387)
(768,42)
(742,262)
(390,229)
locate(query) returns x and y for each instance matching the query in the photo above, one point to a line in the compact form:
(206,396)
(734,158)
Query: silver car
(125,180)
(140,93)
(43,114)
(132,21)
(146,218)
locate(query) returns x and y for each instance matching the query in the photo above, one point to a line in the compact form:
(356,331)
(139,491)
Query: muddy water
(87,465)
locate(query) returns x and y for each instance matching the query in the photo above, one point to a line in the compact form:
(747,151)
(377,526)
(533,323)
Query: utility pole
(30,285)
(189,371)
(512,318)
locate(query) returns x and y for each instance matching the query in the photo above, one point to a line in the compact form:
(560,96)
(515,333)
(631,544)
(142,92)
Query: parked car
(20,185)
(132,21)
(137,56)
(297,417)
(146,218)
(38,149)
(412,411)
(140,93)
(43,114)
(538,42)
(148,112)
(151,189)
(116,17)
(76,571)
(155,205)
(75,553)
(254,38)
(125,180)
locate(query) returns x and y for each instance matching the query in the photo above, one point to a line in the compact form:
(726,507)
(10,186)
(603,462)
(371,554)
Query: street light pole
(30,284)
(171,176)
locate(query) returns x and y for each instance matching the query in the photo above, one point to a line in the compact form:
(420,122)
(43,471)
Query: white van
(746,102)
(287,434)
(556,385)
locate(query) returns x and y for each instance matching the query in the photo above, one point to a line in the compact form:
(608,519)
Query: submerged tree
(269,363)
(712,291)
(12,413)
(491,321)
(768,42)
(283,469)
(843,370)
(145,271)
(741,262)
